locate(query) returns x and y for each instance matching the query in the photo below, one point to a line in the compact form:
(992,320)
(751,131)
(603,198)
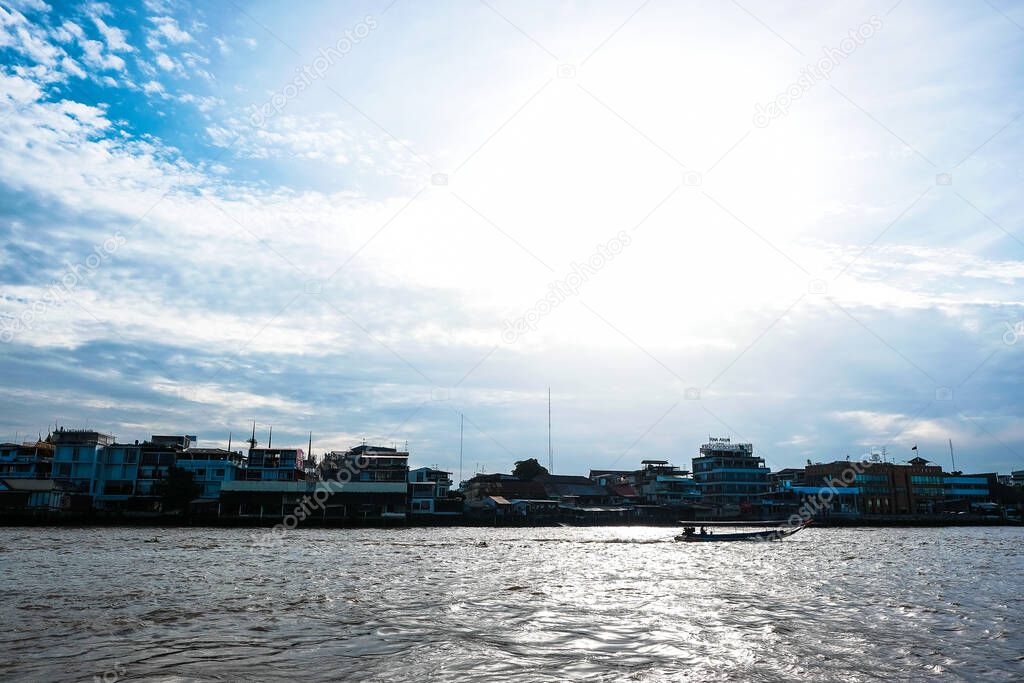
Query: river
(543,604)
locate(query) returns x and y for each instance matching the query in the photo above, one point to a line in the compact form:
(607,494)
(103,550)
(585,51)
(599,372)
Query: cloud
(166,63)
(166,29)
(312,267)
(17,33)
(153,88)
(115,38)
(92,53)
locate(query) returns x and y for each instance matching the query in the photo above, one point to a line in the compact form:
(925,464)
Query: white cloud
(18,33)
(166,28)
(153,88)
(166,63)
(92,53)
(116,38)
(69,31)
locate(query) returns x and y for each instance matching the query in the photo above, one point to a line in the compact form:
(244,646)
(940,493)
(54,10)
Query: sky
(793,225)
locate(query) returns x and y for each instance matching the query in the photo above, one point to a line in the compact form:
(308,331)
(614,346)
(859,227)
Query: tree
(178,489)
(528,469)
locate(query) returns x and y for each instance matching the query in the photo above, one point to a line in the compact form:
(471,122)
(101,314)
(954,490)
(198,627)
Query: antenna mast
(252,439)
(951,457)
(551,453)
(462,420)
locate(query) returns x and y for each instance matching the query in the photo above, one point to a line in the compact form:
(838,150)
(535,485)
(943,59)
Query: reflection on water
(533,604)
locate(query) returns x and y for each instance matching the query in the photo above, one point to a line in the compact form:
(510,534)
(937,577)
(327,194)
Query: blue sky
(795,226)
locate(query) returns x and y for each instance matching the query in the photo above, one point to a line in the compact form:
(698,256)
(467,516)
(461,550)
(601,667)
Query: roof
(623,490)
(511,488)
(363,448)
(560,486)
(500,500)
(606,473)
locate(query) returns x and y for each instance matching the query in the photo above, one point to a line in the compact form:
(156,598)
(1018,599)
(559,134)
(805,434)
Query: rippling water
(527,604)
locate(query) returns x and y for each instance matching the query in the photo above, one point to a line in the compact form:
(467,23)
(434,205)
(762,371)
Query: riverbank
(96,519)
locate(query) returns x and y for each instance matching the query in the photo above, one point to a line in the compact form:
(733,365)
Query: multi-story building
(76,457)
(276,464)
(886,488)
(785,478)
(156,457)
(26,460)
(116,474)
(210,468)
(661,483)
(967,488)
(365,483)
(732,479)
(428,493)
(129,476)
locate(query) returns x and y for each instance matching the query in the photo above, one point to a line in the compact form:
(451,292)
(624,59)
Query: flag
(914,448)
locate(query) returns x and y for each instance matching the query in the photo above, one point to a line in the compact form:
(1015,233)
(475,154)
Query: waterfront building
(1017,478)
(661,483)
(29,460)
(75,459)
(116,474)
(572,491)
(505,486)
(786,477)
(20,495)
(731,478)
(210,468)
(614,477)
(129,476)
(156,458)
(276,464)
(968,489)
(886,488)
(429,491)
(366,483)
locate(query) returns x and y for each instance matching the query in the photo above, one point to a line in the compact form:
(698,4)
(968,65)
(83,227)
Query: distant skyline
(795,226)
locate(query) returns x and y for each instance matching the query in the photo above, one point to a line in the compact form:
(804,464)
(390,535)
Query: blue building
(211,467)
(276,464)
(26,460)
(731,478)
(428,493)
(76,457)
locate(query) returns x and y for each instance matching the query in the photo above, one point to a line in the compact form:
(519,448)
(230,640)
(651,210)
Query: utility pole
(551,453)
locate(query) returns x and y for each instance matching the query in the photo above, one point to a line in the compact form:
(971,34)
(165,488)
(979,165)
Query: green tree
(178,489)
(528,469)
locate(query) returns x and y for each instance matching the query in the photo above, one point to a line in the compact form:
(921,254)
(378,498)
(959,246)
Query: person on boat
(703,531)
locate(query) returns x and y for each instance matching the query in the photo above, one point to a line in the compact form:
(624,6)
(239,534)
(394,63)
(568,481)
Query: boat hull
(772,535)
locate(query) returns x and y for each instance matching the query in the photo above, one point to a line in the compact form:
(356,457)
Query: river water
(612,603)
